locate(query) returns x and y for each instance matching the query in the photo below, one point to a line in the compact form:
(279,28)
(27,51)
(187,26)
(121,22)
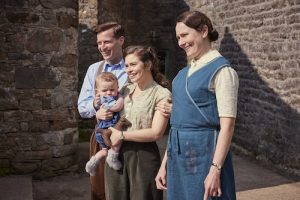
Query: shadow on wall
(266,126)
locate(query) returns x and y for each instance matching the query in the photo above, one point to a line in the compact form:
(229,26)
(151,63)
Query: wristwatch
(122,136)
(219,167)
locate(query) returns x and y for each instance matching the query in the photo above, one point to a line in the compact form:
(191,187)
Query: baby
(106,90)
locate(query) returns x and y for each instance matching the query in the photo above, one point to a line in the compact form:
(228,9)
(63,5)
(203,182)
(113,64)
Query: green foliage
(86,128)
(84,135)
(4,171)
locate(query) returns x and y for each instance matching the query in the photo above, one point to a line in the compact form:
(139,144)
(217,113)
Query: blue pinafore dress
(195,126)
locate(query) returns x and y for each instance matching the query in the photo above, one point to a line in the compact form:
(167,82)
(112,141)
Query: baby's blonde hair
(107,77)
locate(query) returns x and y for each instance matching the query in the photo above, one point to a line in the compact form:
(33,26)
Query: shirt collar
(117,66)
(206,58)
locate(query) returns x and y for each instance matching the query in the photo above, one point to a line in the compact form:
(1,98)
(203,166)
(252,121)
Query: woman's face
(135,68)
(191,41)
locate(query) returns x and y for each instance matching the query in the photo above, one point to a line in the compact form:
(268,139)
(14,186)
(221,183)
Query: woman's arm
(86,97)
(224,140)
(212,181)
(160,179)
(159,124)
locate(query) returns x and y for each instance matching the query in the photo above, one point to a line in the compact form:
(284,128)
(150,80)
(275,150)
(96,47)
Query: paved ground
(253,182)
(16,188)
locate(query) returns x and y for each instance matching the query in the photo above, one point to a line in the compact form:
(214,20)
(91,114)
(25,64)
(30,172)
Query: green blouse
(140,109)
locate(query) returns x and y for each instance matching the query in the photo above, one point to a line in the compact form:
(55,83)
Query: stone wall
(262,40)
(87,47)
(88,53)
(38,86)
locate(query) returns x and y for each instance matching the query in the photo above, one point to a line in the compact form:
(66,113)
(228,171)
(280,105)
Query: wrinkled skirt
(136,179)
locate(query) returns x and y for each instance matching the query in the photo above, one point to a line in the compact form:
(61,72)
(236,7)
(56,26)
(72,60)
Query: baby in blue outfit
(106,88)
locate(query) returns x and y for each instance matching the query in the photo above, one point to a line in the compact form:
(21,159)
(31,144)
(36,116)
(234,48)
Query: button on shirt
(87,93)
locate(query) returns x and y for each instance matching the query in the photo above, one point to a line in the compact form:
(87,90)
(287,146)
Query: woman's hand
(165,107)
(103,114)
(212,184)
(160,179)
(115,137)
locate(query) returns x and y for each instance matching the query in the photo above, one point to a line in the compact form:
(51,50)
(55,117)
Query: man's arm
(87,94)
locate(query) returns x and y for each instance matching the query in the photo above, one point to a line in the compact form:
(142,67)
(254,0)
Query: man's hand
(165,107)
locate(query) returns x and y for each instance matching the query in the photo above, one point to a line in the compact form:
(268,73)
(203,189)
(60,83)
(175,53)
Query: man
(110,40)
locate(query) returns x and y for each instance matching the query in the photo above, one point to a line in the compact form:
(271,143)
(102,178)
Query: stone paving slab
(16,188)
(66,187)
(254,181)
(249,175)
(289,191)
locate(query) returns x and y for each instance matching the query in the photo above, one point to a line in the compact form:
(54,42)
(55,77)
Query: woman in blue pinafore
(197,163)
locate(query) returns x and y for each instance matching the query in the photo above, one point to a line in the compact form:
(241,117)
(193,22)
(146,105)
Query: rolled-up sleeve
(226,83)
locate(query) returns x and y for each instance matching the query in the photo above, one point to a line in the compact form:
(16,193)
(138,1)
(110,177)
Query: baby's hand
(96,102)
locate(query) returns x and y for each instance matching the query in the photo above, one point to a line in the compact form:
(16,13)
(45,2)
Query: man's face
(109,46)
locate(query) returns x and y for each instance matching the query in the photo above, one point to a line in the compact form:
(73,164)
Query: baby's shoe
(112,160)
(91,166)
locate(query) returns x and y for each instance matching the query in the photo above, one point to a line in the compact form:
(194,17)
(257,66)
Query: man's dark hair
(117,28)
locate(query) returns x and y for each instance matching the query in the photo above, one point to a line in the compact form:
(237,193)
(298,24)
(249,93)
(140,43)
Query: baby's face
(106,88)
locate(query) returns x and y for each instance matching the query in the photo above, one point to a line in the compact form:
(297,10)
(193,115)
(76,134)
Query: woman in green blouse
(139,152)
